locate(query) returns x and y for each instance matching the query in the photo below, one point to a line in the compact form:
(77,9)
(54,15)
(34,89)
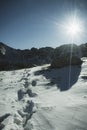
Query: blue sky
(37,23)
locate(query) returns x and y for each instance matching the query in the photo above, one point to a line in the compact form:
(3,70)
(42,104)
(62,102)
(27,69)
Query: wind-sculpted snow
(30,99)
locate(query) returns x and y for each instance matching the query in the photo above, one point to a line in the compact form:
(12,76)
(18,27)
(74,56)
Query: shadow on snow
(61,77)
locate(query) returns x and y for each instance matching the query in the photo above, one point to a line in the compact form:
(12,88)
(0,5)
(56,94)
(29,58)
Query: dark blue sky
(36,23)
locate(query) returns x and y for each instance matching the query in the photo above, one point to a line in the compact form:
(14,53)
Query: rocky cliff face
(11,58)
(67,49)
(66,55)
(83,48)
(64,61)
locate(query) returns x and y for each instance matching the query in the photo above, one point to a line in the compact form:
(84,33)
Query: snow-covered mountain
(35,98)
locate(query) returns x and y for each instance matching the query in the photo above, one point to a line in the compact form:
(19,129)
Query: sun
(73,28)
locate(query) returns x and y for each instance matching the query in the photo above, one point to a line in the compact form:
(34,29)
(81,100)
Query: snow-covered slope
(30,99)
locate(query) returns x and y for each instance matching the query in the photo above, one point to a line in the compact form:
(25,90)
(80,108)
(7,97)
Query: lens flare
(74,28)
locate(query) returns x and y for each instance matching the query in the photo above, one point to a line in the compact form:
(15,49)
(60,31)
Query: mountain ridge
(11,58)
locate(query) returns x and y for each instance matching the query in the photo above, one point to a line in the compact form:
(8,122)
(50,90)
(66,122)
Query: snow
(52,108)
(2,50)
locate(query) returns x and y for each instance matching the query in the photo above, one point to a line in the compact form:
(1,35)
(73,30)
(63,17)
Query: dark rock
(67,50)
(83,49)
(11,59)
(65,61)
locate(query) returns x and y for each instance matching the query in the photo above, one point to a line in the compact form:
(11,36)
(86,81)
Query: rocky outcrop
(11,58)
(66,55)
(67,49)
(83,48)
(65,61)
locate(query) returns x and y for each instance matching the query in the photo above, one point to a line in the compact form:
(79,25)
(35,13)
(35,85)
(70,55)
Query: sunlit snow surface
(53,109)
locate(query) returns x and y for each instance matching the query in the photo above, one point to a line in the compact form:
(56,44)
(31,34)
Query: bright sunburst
(74,28)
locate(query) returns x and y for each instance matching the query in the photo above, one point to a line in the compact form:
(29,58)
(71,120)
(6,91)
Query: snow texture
(40,98)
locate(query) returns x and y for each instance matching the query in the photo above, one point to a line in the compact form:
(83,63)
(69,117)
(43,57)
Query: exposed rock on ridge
(11,58)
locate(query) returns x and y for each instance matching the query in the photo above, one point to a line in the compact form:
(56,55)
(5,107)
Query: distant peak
(1,44)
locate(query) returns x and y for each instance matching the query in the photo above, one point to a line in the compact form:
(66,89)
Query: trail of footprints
(21,118)
(27,112)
